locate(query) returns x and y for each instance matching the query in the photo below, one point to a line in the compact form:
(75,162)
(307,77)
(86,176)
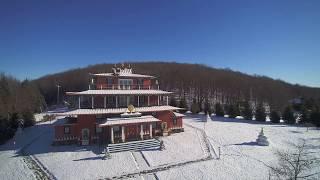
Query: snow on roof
(178,114)
(118,110)
(119,92)
(124,75)
(118,121)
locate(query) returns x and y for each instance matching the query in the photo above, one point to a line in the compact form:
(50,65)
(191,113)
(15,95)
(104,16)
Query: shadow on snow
(38,139)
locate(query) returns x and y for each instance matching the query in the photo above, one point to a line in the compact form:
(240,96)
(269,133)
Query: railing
(98,104)
(175,128)
(123,87)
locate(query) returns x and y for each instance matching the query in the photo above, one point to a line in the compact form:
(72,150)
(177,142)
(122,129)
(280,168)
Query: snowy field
(188,155)
(241,157)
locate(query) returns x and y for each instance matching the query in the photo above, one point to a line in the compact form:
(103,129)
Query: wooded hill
(190,80)
(18,101)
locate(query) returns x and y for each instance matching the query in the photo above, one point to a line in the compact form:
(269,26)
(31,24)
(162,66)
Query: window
(98,129)
(174,119)
(142,100)
(67,130)
(140,81)
(125,83)
(110,99)
(130,100)
(154,114)
(122,101)
(116,129)
(144,127)
(109,81)
(154,125)
(99,116)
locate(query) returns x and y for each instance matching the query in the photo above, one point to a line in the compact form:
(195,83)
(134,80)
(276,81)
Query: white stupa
(262,140)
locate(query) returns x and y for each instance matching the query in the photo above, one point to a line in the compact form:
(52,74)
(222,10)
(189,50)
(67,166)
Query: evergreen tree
(14,120)
(28,118)
(288,116)
(219,110)
(6,131)
(275,117)
(310,103)
(226,108)
(207,108)
(183,104)
(233,111)
(247,111)
(195,109)
(315,117)
(200,105)
(173,102)
(260,113)
(305,115)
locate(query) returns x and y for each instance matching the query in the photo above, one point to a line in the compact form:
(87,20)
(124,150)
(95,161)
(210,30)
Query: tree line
(306,112)
(18,101)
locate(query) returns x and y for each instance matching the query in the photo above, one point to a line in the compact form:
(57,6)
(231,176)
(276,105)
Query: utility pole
(58,86)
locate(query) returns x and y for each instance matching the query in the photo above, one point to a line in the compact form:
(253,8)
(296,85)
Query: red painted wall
(86,121)
(83,121)
(166,116)
(146,83)
(101,82)
(59,130)
(153,100)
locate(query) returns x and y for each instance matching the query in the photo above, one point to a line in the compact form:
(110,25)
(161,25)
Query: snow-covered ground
(179,147)
(184,156)
(12,163)
(241,157)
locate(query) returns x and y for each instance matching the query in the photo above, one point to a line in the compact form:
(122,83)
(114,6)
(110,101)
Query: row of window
(120,81)
(126,100)
(124,82)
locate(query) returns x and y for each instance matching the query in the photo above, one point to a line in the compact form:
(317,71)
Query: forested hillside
(191,80)
(18,100)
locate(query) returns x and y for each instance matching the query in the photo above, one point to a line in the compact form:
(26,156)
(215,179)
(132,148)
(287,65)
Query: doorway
(85,136)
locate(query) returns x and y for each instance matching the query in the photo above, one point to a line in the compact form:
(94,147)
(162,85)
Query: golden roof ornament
(131,108)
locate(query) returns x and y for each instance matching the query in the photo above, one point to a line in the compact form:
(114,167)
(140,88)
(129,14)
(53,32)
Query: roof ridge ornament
(131,108)
(130,112)
(125,70)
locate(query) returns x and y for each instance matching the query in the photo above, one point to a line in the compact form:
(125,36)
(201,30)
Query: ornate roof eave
(117,110)
(120,92)
(122,75)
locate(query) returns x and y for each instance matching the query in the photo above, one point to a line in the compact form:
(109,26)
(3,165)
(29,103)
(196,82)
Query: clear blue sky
(279,38)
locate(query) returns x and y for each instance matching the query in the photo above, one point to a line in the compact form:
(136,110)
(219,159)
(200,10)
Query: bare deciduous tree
(295,163)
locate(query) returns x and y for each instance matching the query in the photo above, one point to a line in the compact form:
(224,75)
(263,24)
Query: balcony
(123,87)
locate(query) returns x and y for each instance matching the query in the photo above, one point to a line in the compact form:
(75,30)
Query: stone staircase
(134,146)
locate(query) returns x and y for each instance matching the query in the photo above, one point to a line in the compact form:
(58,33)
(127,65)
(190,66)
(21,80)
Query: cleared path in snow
(39,170)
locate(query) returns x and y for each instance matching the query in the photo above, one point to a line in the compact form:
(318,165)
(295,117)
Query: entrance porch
(119,130)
